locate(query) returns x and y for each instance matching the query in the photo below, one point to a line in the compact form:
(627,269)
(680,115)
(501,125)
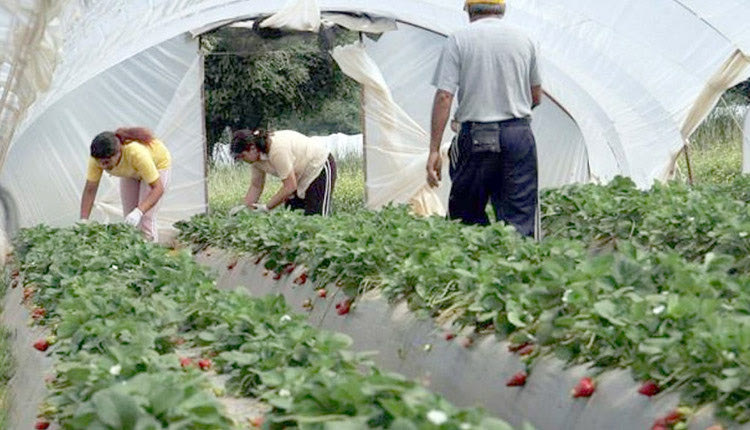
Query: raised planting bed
(692,221)
(676,327)
(138,337)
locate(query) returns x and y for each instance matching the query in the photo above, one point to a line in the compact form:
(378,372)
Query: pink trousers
(132,192)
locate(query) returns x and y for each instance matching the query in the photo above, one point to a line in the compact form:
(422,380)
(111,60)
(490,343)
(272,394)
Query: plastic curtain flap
(396,146)
(30,39)
(300,15)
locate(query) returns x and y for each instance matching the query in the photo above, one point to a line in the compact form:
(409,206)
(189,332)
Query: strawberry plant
(125,313)
(679,323)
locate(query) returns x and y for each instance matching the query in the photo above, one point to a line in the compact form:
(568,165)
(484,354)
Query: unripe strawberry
(256,421)
(38,313)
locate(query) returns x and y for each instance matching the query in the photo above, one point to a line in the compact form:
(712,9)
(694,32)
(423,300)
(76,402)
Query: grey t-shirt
(493,67)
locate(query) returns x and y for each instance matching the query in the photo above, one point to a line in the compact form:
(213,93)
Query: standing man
(494,69)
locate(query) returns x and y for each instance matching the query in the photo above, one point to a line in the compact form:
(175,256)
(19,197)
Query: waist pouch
(485,137)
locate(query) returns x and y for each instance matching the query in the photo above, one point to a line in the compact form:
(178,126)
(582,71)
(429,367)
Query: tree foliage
(279,82)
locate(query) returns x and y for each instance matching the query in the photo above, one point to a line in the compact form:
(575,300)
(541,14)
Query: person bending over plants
(306,168)
(142,162)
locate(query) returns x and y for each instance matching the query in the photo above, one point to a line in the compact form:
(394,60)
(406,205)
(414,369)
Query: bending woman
(143,164)
(306,168)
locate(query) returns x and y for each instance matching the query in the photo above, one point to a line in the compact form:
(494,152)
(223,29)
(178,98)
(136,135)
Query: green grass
(5,365)
(716,146)
(228,185)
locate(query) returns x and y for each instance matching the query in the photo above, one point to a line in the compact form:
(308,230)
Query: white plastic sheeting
(159,88)
(300,15)
(636,77)
(746,144)
(396,146)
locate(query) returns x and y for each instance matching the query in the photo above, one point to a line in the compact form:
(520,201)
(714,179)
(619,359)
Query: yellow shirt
(138,161)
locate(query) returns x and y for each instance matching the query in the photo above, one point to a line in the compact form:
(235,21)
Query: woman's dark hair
(104,145)
(243,139)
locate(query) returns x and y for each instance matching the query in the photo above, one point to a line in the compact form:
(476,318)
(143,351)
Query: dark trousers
(319,194)
(496,164)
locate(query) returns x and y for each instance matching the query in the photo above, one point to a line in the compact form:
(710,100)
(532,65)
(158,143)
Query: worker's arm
(288,187)
(536,96)
(157,190)
(441,109)
(257,184)
(87,198)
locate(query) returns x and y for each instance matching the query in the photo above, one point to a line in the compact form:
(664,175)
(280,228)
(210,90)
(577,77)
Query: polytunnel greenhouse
(636,299)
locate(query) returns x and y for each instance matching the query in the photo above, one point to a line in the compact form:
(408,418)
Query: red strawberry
(322,293)
(649,388)
(526,350)
(466,342)
(289,268)
(343,307)
(673,417)
(259,259)
(518,346)
(204,364)
(659,425)
(585,388)
(277,276)
(41,345)
(301,279)
(185,362)
(38,313)
(232,264)
(448,335)
(256,421)
(41,424)
(517,380)
(28,293)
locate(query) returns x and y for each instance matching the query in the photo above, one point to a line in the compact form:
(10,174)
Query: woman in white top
(306,168)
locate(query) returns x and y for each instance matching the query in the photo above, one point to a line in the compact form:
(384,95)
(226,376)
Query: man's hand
(134,217)
(434,169)
(259,207)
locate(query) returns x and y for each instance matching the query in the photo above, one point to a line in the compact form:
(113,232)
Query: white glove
(134,217)
(237,209)
(259,207)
